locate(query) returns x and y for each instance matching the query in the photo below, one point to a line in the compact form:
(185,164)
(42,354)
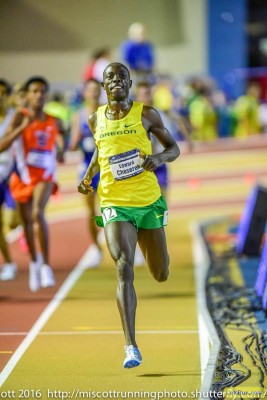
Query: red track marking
(218,238)
(20,308)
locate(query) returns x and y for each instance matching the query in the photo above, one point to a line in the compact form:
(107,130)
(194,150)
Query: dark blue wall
(227,48)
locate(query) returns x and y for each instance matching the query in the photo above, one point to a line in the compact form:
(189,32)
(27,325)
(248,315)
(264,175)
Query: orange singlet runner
(35,154)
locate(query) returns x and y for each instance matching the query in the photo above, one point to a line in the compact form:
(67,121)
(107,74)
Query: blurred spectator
(137,52)
(82,137)
(263,115)
(163,99)
(12,218)
(143,93)
(246,111)
(202,115)
(172,122)
(224,113)
(94,70)
(95,67)
(17,98)
(9,270)
(57,108)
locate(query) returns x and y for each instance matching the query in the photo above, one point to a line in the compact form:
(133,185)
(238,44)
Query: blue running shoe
(133,357)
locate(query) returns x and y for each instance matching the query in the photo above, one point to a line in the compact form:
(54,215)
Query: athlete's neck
(37,113)
(118,109)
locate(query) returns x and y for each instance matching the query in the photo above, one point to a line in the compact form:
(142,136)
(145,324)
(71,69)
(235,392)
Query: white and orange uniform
(35,155)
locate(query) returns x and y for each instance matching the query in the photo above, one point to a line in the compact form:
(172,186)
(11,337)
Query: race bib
(108,214)
(126,165)
(39,159)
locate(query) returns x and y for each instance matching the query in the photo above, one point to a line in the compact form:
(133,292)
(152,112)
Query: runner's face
(116,82)
(144,95)
(91,91)
(36,95)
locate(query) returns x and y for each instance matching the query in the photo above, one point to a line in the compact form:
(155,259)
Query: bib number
(126,165)
(108,214)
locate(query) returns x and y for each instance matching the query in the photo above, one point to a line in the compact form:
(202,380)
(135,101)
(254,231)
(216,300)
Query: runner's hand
(85,187)
(22,121)
(60,156)
(150,163)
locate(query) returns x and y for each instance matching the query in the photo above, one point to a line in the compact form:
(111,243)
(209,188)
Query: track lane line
(103,332)
(44,317)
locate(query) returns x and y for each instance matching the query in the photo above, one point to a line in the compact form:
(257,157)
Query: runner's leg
(25,210)
(41,195)
(121,240)
(3,243)
(154,247)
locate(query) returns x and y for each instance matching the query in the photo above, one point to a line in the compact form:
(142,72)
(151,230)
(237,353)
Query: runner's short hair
(6,84)
(36,79)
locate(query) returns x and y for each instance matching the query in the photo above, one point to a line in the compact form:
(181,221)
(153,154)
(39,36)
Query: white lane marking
(106,332)
(44,317)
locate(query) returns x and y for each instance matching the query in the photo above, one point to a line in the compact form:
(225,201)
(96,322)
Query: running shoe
(8,272)
(34,274)
(94,256)
(133,357)
(47,276)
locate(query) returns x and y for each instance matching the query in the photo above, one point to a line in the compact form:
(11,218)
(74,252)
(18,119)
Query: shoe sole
(9,278)
(132,364)
(48,285)
(34,287)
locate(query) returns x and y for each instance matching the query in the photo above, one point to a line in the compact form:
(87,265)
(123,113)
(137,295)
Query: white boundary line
(103,332)
(208,339)
(44,317)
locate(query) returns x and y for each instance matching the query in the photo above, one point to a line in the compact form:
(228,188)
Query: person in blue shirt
(137,51)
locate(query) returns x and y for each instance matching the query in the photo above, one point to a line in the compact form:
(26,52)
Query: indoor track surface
(67,342)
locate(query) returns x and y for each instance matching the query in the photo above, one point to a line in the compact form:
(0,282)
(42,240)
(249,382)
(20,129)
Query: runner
(38,142)
(9,269)
(131,203)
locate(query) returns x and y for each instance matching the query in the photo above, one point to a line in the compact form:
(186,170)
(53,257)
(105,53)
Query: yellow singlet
(122,181)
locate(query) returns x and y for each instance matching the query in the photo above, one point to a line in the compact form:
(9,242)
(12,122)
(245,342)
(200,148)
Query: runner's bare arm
(60,141)
(85,185)
(153,124)
(75,134)
(19,122)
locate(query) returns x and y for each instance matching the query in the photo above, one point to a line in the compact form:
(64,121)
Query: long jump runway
(68,342)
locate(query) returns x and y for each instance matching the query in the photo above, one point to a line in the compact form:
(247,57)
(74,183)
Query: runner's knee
(161,276)
(124,270)
(37,214)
